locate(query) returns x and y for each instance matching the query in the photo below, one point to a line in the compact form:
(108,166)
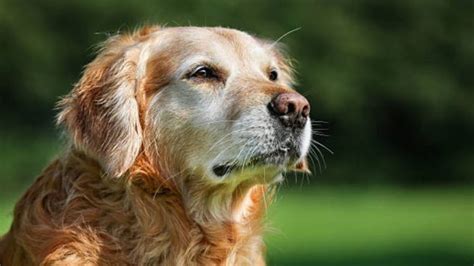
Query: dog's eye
(204,72)
(273,75)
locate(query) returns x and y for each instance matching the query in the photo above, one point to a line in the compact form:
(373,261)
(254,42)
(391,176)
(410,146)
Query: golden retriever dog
(176,138)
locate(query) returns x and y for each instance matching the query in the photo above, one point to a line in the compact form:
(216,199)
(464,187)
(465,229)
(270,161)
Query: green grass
(6,210)
(363,227)
(375,227)
(22,155)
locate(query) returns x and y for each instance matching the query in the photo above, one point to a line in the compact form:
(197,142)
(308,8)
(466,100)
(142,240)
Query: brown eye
(273,75)
(204,72)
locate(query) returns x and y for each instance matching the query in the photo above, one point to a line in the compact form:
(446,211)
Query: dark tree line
(394,79)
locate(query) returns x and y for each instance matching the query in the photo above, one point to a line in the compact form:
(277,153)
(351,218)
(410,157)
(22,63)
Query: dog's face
(213,103)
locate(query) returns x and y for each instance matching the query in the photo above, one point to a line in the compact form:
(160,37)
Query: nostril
(305,111)
(291,108)
(273,109)
(280,105)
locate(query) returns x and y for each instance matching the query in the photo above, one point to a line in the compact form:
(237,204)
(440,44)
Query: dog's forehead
(220,44)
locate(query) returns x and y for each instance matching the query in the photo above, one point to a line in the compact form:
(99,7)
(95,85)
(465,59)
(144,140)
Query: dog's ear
(101,114)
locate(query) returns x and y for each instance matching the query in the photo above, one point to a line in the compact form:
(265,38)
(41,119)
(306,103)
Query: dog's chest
(201,248)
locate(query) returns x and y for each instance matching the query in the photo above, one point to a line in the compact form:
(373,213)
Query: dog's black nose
(291,108)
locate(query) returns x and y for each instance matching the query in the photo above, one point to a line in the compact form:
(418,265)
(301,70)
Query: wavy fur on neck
(73,215)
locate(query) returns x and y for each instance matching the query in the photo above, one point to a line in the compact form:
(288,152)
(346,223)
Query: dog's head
(212,103)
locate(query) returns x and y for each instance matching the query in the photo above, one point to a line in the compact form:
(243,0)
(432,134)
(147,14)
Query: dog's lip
(280,157)
(223,169)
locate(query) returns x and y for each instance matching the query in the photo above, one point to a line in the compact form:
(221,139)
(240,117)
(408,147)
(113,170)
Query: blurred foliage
(393,78)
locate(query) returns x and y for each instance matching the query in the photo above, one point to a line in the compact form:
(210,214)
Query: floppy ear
(101,113)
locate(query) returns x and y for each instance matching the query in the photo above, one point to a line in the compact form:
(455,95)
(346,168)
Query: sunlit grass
(6,212)
(331,225)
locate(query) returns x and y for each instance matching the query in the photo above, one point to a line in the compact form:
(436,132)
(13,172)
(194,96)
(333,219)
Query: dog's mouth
(280,158)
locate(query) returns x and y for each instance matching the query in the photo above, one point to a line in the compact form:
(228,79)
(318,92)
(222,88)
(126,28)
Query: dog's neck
(203,201)
(213,204)
(219,204)
(213,225)
(225,216)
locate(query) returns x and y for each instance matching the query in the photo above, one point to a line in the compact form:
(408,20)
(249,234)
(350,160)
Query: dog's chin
(257,173)
(263,168)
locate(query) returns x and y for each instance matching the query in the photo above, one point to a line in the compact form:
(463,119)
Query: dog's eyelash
(204,72)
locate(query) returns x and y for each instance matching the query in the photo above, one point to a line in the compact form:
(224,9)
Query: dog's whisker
(323,146)
(320,134)
(248,155)
(225,137)
(321,155)
(244,161)
(315,155)
(320,129)
(284,35)
(316,122)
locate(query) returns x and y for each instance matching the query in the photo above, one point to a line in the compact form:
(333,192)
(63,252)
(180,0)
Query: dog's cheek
(167,136)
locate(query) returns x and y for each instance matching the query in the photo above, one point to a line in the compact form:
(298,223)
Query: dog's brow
(189,63)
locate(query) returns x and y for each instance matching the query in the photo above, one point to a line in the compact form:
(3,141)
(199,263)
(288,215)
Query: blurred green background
(393,79)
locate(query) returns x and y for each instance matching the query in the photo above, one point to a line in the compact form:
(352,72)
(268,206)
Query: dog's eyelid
(204,71)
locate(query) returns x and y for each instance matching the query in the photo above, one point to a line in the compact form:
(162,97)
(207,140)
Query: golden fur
(118,195)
